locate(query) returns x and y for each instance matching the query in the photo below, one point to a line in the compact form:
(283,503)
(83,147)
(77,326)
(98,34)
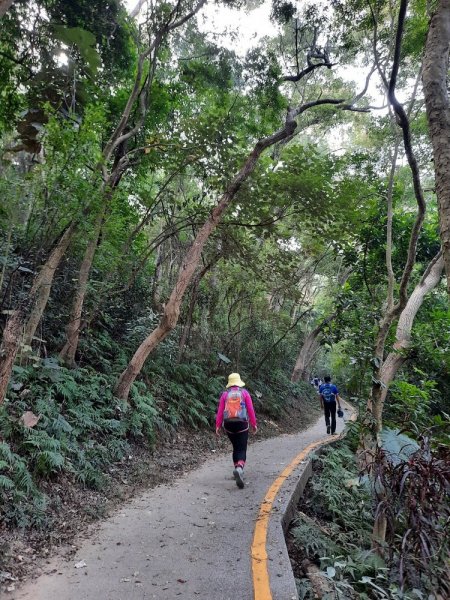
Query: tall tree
(111,168)
(435,87)
(5,5)
(192,258)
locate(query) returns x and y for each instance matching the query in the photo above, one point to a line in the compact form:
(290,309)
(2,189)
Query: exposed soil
(73,510)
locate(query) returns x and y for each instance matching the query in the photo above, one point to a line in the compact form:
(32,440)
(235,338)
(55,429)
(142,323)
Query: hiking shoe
(328,429)
(239,477)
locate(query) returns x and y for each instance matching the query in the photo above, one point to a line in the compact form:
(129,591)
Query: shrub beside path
(191,539)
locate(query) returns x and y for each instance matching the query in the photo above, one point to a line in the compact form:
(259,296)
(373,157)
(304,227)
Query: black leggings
(237,431)
(330,411)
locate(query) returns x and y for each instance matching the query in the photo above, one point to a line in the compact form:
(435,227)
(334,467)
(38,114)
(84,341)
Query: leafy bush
(337,498)
(80,430)
(410,404)
(83,428)
(186,396)
(409,485)
(21,501)
(279,396)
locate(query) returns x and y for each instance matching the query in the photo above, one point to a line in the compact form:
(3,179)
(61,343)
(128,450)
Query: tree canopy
(174,207)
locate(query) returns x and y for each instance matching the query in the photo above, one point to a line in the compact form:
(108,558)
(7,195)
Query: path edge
(281,575)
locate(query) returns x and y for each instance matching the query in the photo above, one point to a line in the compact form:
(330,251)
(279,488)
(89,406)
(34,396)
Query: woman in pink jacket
(234,414)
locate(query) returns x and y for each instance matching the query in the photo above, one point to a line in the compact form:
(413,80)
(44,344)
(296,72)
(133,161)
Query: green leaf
(83,40)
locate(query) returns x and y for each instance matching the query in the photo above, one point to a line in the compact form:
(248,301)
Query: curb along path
(200,537)
(268,582)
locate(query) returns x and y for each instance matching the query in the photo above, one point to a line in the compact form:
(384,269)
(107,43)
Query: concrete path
(190,540)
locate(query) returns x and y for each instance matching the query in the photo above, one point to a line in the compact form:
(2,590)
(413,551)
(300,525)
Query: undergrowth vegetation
(82,428)
(334,523)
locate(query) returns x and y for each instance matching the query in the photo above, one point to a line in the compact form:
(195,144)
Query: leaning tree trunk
(40,290)
(399,353)
(312,340)
(12,335)
(67,354)
(392,364)
(191,260)
(5,5)
(435,87)
(374,403)
(308,349)
(300,372)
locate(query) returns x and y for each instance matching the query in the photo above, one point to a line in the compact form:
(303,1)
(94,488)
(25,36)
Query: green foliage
(82,428)
(188,397)
(21,501)
(79,432)
(145,418)
(339,496)
(411,405)
(83,40)
(280,397)
(312,540)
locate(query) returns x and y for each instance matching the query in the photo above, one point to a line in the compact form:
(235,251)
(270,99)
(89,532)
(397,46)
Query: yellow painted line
(261,583)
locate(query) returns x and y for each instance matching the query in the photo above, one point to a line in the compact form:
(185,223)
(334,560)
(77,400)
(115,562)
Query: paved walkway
(190,540)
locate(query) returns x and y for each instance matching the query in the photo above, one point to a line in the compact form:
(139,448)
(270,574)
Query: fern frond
(6,483)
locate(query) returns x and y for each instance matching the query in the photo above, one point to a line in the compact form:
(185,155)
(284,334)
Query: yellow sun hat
(235,379)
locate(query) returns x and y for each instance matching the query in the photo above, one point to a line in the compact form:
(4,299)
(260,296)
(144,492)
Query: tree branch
(403,122)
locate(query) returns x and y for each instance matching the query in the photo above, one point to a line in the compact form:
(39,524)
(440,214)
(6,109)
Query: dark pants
(330,410)
(237,431)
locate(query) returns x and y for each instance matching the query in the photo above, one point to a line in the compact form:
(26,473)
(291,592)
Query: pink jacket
(248,404)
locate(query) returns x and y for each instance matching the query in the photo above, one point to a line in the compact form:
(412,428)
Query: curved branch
(403,121)
(307,70)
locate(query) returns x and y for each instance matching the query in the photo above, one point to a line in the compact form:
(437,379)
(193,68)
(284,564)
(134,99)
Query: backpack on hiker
(235,407)
(327,393)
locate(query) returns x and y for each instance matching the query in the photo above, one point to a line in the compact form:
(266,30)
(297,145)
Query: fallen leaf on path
(29,419)
(80,565)
(182,580)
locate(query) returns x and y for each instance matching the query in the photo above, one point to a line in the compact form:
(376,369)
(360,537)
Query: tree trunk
(67,354)
(399,353)
(308,349)
(5,256)
(137,9)
(5,5)
(191,260)
(12,334)
(156,290)
(373,418)
(435,72)
(40,290)
(300,372)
